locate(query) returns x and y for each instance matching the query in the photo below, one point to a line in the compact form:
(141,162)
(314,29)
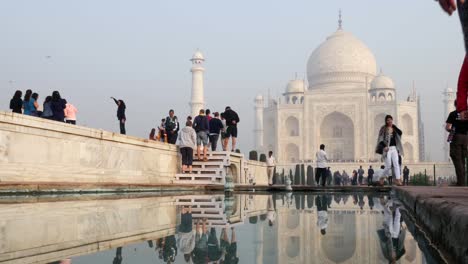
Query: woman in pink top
(70,113)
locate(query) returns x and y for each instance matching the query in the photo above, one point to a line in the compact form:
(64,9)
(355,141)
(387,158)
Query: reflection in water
(246,228)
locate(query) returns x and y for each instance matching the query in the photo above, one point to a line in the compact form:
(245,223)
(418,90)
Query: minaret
(198,99)
(258,131)
(449,106)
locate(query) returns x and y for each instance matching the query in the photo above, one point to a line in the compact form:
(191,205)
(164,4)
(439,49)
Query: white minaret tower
(449,106)
(198,99)
(258,130)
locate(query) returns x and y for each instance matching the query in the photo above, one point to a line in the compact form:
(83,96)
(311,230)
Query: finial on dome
(340,21)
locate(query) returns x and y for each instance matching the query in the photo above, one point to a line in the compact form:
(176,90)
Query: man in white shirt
(322,159)
(271,163)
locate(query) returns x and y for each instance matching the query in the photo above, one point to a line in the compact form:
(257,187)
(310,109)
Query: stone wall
(38,150)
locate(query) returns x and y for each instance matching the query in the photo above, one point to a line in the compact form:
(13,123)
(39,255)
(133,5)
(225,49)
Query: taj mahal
(342,104)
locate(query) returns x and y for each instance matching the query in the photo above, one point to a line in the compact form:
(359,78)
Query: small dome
(198,56)
(295,86)
(382,82)
(259,97)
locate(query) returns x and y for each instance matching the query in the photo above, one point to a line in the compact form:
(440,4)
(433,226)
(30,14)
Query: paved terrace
(443,213)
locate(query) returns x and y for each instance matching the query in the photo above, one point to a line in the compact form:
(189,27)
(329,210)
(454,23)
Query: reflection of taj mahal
(342,105)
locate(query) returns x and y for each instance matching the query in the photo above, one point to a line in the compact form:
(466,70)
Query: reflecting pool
(210,228)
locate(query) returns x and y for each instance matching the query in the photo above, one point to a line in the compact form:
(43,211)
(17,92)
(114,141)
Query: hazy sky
(139,51)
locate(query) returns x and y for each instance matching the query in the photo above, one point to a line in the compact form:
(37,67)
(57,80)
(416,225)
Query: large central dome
(342,57)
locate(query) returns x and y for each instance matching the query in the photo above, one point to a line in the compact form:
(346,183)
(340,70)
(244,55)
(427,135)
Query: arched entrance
(337,133)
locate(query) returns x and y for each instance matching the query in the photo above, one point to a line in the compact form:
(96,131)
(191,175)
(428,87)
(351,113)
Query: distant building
(342,105)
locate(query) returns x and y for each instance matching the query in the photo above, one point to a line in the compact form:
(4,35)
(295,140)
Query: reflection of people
(214,250)
(230,248)
(392,236)
(199,254)
(169,250)
(271,212)
(186,239)
(322,214)
(118,256)
(370,198)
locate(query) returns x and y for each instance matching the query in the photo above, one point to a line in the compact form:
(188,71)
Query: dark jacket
(120,110)
(171,124)
(231,115)
(200,123)
(215,126)
(16,104)
(57,109)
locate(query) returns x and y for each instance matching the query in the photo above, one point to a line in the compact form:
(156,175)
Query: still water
(210,228)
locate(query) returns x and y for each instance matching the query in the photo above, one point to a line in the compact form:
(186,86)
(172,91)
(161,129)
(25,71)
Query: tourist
(449,6)
(370,175)
(406,172)
(47,108)
(392,236)
(458,140)
(214,250)
(380,176)
(337,178)
(223,133)
(162,136)
(36,111)
(152,135)
(345,177)
(322,214)
(172,127)
(360,173)
(58,106)
(208,114)
(329,176)
(121,114)
(118,256)
(202,127)
(29,104)
(169,249)
(186,236)
(216,126)
(16,103)
(232,118)
(229,247)
(322,159)
(186,141)
(70,113)
(389,145)
(271,163)
(354,178)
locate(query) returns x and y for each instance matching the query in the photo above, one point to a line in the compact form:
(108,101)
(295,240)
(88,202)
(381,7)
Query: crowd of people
(54,107)
(200,134)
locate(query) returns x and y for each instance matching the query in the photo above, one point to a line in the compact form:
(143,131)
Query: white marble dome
(198,56)
(295,86)
(382,82)
(341,54)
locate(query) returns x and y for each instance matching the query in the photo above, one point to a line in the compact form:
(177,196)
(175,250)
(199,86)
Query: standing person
(271,163)
(354,179)
(337,178)
(360,175)
(202,127)
(216,126)
(406,176)
(186,141)
(223,133)
(162,136)
(389,145)
(58,105)
(232,118)
(370,174)
(449,6)
(322,159)
(47,108)
(121,107)
(16,103)
(345,178)
(152,135)
(208,114)
(70,113)
(458,140)
(172,127)
(36,112)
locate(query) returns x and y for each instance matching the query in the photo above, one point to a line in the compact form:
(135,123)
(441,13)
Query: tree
(297,175)
(253,155)
(310,176)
